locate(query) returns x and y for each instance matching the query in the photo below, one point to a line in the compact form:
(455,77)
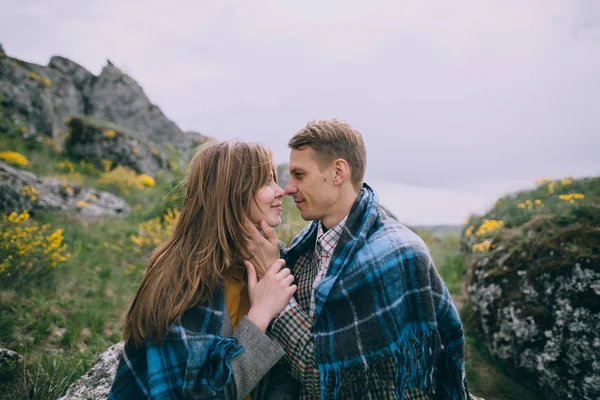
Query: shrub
(14,158)
(124,180)
(28,250)
(154,231)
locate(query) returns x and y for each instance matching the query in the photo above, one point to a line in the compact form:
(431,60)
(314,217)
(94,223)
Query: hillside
(534,270)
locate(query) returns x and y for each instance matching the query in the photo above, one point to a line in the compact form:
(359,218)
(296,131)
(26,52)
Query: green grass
(78,318)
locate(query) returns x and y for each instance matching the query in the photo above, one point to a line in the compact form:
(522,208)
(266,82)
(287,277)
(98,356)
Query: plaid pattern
(325,245)
(384,321)
(191,362)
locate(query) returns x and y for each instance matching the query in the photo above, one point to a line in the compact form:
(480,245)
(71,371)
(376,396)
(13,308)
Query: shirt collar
(329,239)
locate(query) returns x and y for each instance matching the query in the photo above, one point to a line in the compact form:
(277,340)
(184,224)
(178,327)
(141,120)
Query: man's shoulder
(388,232)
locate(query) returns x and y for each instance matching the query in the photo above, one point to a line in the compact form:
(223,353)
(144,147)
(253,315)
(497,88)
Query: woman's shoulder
(204,318)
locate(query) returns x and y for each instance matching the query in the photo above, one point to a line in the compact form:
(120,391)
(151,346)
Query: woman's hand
(261,251)
(270,295)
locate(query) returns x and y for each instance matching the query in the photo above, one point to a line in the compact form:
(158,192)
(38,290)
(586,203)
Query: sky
(458,102)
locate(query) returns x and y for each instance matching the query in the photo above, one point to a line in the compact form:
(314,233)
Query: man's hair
(332,139)
(207,240)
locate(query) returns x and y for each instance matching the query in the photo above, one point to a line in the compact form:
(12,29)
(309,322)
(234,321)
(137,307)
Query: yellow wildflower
(481,247)
(571,197)
(469,231)
(82,204)
(489,226)
(566,181)
(30,192)
(110,133)
(147,180)
(14,158)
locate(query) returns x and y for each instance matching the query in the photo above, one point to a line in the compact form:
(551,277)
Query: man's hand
(269,296)
(261,251)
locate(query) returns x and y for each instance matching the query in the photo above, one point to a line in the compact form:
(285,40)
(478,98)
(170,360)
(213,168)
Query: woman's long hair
(186,269)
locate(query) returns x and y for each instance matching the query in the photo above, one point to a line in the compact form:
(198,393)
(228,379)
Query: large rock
(10,362)
(22,190)
(537,299)
(95,384)
(117,98)
(95,141)
(40,99)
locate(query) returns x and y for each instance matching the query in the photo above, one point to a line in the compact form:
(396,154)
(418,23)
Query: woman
(196,328)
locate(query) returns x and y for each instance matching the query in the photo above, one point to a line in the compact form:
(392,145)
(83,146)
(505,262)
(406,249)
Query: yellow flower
(82,204)
(566,181)
(489,226)
(481,247)
(66,166)
(469,231)
(14,158)
(147,180)
(110,133)
(521,205)
(66,189)
(571,197)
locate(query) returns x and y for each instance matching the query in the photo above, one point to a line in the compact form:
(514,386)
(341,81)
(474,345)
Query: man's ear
(341,171)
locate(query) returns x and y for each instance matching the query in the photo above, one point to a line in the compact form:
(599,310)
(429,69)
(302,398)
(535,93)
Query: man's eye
(299,175)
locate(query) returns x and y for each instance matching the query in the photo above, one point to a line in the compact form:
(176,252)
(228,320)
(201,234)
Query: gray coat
(254,370)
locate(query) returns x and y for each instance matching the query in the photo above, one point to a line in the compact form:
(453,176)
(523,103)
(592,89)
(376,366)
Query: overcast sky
(457,101)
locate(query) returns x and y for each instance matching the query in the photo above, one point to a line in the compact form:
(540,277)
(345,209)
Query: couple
(356,310)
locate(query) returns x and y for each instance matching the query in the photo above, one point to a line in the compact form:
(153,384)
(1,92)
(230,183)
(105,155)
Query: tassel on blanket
(218,371)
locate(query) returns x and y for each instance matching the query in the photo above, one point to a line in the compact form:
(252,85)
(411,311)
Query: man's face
(311,186)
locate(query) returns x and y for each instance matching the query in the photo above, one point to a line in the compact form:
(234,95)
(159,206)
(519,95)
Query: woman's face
(267,204)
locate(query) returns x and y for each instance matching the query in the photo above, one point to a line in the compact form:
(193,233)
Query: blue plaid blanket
(382,297)
(192,362)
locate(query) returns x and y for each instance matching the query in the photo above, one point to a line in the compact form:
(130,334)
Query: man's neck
(342,208)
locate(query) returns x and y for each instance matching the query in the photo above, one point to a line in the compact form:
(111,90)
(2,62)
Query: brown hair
(332,139)
(186,269)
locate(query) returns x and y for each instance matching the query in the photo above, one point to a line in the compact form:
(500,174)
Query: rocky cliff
(41,98)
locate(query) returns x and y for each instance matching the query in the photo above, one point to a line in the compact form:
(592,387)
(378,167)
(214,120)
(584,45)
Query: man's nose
(290,189)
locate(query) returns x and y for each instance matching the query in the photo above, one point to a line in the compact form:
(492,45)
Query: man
(371,317)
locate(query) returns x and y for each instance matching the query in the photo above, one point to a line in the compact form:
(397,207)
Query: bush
(14,158)
(124,180)
(154,232)
(28,250)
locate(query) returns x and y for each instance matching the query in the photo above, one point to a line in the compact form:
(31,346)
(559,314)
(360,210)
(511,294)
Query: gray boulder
(118,98)
(536,297)
(22,190)
(40,98)
(10,362)
(95,141)
(95,384)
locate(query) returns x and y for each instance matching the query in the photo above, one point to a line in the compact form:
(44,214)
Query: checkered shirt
(325,244)
(293,331)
